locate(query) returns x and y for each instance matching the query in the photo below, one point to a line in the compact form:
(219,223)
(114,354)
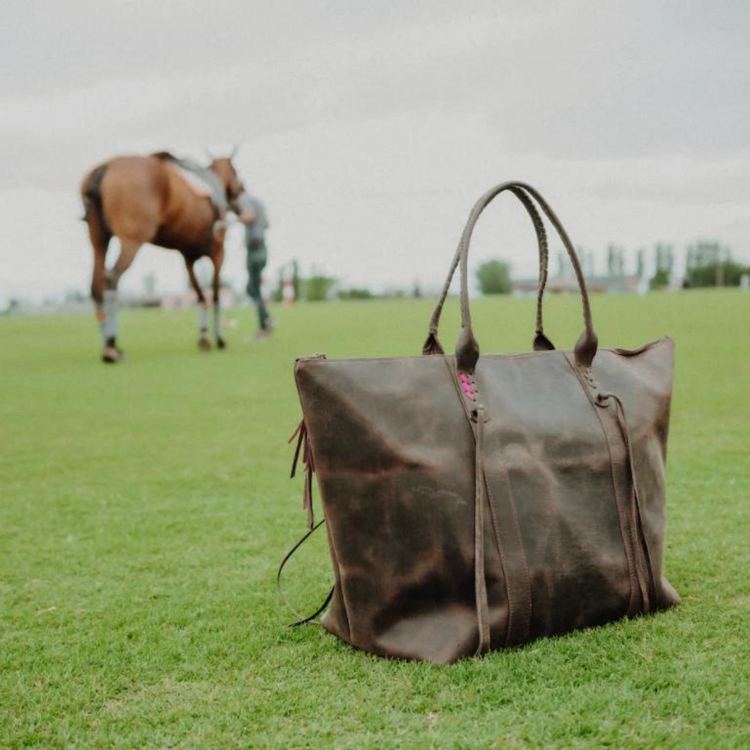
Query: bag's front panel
(545,431)
(394,456)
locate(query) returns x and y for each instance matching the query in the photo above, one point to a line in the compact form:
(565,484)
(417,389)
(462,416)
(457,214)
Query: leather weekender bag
(477,502)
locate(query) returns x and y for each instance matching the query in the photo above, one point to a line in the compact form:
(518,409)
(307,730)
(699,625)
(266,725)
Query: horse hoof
(221,343)
(111,355)
(204,344)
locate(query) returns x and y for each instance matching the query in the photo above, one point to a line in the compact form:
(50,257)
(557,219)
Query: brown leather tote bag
(476,502)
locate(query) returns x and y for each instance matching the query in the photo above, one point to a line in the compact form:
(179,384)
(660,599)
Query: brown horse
(141,199)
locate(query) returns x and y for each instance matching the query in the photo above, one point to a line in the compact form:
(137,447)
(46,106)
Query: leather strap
(492,487)
(303,448)
(301,619)
(644,571)
(480,579)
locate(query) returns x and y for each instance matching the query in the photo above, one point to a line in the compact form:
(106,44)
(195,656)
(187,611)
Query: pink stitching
(467,386)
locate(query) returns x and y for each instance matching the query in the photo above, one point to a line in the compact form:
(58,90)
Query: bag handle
(540,342)
(467,348)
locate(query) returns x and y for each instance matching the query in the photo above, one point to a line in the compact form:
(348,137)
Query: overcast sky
(369,129)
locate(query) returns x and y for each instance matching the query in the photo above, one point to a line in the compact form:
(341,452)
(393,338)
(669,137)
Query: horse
(141,199)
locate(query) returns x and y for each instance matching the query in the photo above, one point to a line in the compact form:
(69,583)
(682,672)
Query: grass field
(146,506)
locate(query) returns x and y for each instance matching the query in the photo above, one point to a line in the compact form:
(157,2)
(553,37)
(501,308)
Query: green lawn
(144,509)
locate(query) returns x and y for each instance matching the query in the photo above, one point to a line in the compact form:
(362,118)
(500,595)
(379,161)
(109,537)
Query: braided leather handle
(541,342)
(467,348)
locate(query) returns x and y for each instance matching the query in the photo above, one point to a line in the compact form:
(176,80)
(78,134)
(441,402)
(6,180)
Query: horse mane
(164,156)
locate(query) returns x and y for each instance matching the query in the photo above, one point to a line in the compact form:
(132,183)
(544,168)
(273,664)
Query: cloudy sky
(370,128)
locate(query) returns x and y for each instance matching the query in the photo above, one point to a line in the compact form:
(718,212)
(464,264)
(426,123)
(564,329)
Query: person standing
(253,216)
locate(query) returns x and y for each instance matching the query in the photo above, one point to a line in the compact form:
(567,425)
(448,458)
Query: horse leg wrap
(107,316)
(203,318)
(217,320)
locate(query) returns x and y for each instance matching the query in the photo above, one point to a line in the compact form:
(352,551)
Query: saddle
(202,181)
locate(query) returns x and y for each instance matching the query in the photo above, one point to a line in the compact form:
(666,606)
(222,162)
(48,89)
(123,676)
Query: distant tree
(711,264)
(726,273)
(317,287)
(664,265)
(660,279)
(356,293)
(494,277)
(13,304)
(664,257)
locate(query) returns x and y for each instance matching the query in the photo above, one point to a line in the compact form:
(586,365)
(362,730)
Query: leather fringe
(646,581)
(303,447)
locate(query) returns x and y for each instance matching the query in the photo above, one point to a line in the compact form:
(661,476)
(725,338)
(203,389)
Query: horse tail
(91,194)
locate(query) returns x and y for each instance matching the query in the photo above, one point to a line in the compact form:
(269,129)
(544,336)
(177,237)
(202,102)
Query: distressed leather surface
(566,537)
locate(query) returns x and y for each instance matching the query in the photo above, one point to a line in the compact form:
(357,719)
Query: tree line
(708,263)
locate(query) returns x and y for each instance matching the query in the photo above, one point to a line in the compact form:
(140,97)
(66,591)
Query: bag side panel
(643,381)
(336,619)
